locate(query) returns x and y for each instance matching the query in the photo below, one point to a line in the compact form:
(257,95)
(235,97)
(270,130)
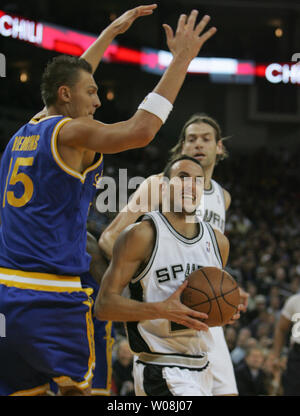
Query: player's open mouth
(199,155)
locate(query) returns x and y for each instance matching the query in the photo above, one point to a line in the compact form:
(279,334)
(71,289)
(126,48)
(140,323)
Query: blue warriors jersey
(44,203)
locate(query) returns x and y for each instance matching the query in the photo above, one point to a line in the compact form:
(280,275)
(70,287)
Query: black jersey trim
(136,341)
(211,190)
(215,243)
(179,236)
(199,369)
(154,383)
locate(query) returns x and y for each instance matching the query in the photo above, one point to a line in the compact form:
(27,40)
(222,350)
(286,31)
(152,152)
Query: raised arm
(120,25)
(139,130)
(146,198)
(132,249)
(95,52)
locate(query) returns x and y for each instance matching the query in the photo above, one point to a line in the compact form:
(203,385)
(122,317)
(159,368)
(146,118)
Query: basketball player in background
(63,153)
(154,257)
(289,325)
(200,138)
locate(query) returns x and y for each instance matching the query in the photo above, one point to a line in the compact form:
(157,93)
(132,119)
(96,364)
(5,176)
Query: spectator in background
(239,352)
(258,312)
(250,378)
(274,307)
(122,370)
(281,280)
(230,337)
(274,374)
(252,290)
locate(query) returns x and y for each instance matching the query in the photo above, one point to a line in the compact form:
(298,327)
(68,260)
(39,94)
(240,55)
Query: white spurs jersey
(173,258)
(212,207)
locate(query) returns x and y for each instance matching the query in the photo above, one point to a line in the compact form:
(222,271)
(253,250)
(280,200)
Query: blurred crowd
(263,225)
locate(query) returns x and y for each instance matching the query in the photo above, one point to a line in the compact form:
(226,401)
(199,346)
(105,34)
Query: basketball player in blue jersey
(154,257)
(48,177)
(200,138)
(104,334)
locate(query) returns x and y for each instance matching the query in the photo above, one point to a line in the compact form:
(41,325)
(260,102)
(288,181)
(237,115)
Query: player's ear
(64,93)
(220,147)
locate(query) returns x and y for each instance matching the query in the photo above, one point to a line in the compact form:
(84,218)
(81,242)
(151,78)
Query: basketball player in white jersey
(154,257)
(200,138)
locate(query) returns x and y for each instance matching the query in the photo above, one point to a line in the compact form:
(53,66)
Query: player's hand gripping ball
(214,292)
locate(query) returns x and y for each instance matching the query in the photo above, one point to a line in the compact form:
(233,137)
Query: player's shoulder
(226,194)
(77,127)
(293,300)
(141,232)
(137,239)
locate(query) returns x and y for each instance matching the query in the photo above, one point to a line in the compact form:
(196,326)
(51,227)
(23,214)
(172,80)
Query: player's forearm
(117,308)
(106,243)
(95,52)
(173,78)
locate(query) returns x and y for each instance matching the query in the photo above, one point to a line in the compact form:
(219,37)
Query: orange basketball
(214,292)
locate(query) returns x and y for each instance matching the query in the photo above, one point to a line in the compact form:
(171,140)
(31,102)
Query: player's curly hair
(200,118)
(61,70)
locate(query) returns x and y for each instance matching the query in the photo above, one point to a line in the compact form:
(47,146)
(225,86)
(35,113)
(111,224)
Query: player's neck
(57,110)
(54,111)
(185,224)
(208,171)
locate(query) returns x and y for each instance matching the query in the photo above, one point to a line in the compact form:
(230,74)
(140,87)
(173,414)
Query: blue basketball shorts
(49,333)
(104,337)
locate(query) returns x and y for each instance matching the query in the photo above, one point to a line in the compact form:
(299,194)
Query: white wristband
(156,104)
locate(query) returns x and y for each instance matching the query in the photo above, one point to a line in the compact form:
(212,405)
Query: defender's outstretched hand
(123,23)
(188,39)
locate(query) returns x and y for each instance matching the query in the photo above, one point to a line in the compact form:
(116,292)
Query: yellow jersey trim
(39,120)
(109,347)
(5,189)
(100,392)
(59,160)
(41,281)
(38,275)
(65,381)
(32,392)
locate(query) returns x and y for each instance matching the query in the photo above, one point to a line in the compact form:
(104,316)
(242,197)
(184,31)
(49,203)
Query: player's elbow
(145,127)
(144,135)
(100,309)
(105,243)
